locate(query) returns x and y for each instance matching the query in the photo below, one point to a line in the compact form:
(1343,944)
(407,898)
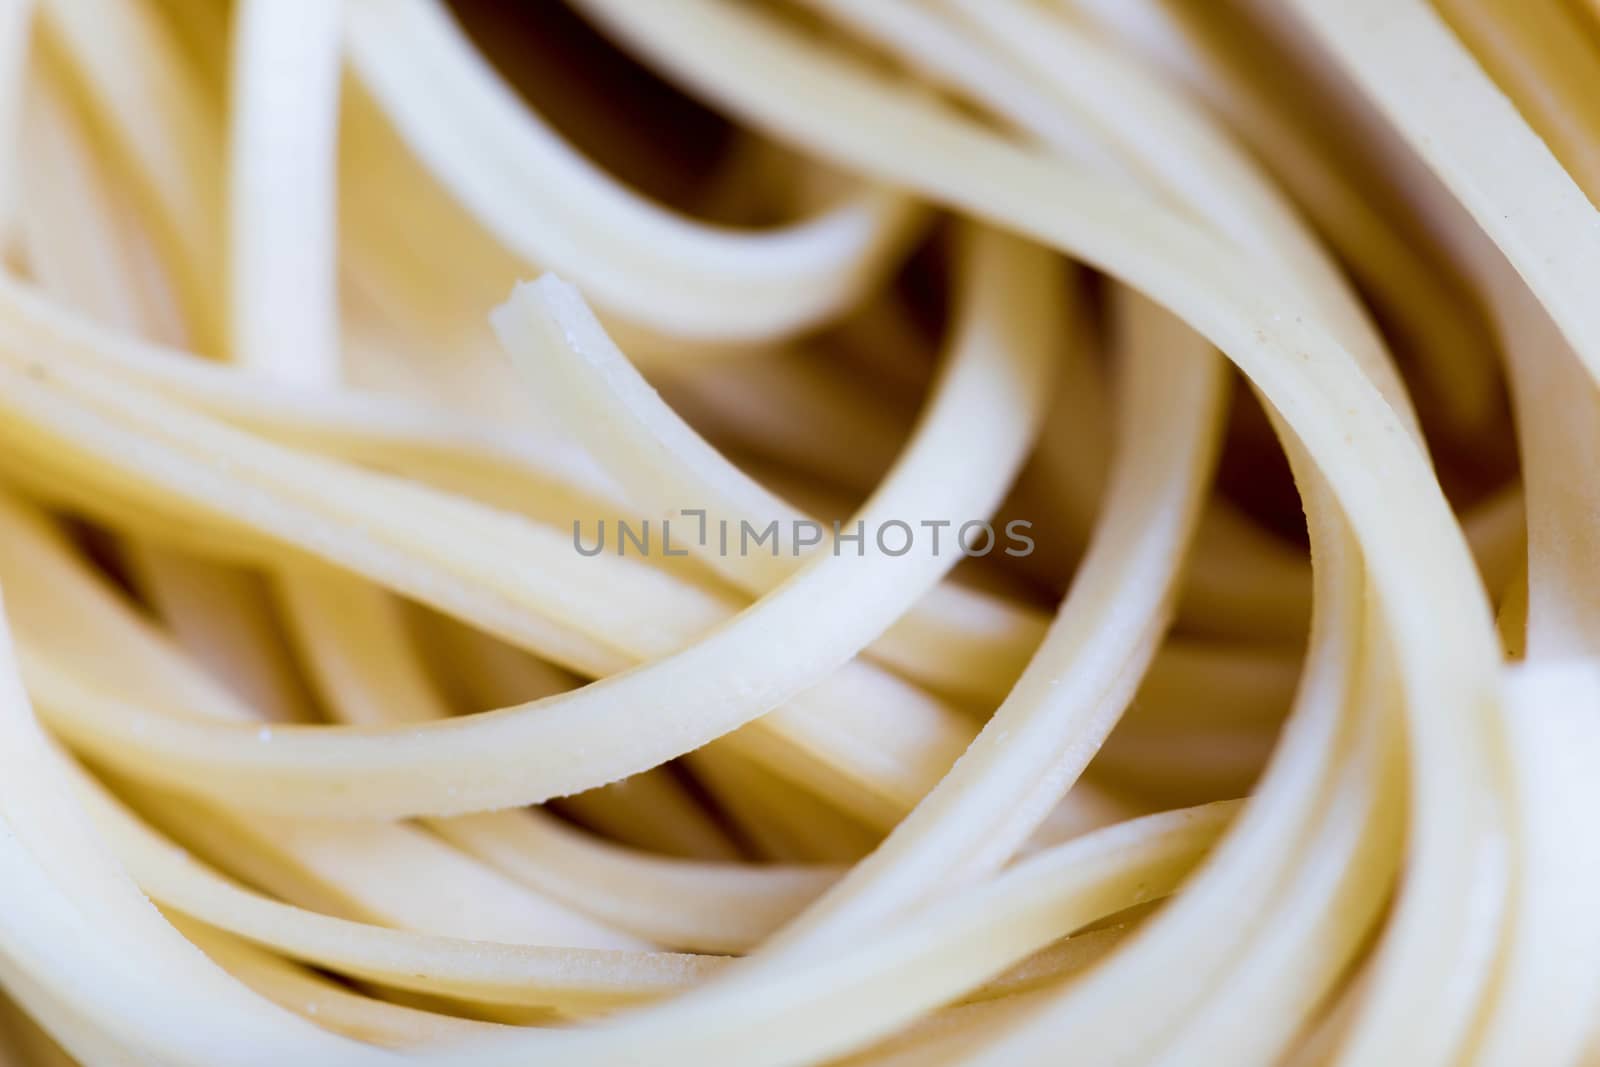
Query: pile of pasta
(334,334)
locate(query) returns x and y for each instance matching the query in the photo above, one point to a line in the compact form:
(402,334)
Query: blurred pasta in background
(788,532)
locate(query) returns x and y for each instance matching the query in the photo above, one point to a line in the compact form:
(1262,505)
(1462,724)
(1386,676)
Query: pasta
(799,532)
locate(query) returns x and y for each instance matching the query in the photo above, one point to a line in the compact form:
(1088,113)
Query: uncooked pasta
(799,532)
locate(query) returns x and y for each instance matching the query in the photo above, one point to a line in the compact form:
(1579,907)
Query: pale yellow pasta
(799,533)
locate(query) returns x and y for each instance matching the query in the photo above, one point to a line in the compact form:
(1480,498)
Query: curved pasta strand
(1240,77)
(1245,875)
(673,475)
(704,283)
(582,980)
(705,907)
(1234,578)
